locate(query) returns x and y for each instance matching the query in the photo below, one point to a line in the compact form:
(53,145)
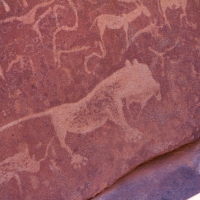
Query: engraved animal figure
(20,162)
(172,4)
(102,104)
(121,21)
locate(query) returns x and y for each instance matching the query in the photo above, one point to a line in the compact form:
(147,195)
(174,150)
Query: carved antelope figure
(122,21)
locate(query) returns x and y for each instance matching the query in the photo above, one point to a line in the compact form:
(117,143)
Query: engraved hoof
(78,161)
(133,135)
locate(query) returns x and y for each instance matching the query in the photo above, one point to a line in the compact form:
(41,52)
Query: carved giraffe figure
(20,162)
(122,21)
(102,104)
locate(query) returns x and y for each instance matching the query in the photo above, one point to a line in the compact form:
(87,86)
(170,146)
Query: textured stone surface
(172,176)
(90,89)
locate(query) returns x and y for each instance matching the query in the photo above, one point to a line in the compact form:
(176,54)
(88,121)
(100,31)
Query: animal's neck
(133,15)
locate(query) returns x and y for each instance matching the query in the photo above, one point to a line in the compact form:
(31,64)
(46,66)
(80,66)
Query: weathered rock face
(90,89)
(172,176)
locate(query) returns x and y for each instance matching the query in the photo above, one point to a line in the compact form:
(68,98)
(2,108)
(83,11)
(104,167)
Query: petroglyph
(6,6)
(1,74)
(29,18)
(161,55)
(22,63)
(173,5)
(94,54)
(55,8)
(127,1)
(63,27)
(32,65)
(29,48)
(19,58)
(36,24)
(102,104)
(20,162)
(74,50)
(151,28)
(34,182)
(122,21)
(25,4)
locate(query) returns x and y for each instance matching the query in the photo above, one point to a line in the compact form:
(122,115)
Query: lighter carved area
(134,82)
(1,74)
(6,6)
(173,5)
(20,162)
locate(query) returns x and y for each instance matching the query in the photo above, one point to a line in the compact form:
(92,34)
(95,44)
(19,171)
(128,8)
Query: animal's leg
(76,160)
(129,100)
(166,20)
(102,28)
(142,99)
(183,15)
(186,19)
(117,116)
(126,32)
(18,183)
(87,58)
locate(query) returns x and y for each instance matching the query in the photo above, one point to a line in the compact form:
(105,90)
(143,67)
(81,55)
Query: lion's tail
(36,115)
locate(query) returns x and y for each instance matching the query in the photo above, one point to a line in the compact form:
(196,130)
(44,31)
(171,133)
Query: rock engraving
(66,28)
(173,5)
(6,6)
(20,162)
(1,74)
(25,4)
(29,18)
(161,55)
(19,59)
(122,21)
(94,54)
(103,103)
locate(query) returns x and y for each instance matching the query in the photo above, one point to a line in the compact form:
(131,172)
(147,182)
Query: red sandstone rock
(90,89)
(172,176)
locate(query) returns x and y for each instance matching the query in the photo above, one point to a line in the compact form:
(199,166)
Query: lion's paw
(133,135)
(78,161)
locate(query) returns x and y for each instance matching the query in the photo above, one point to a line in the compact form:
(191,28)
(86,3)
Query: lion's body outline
(103,103)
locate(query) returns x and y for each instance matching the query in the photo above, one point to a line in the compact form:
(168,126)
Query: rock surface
(172,176)
(90,89)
